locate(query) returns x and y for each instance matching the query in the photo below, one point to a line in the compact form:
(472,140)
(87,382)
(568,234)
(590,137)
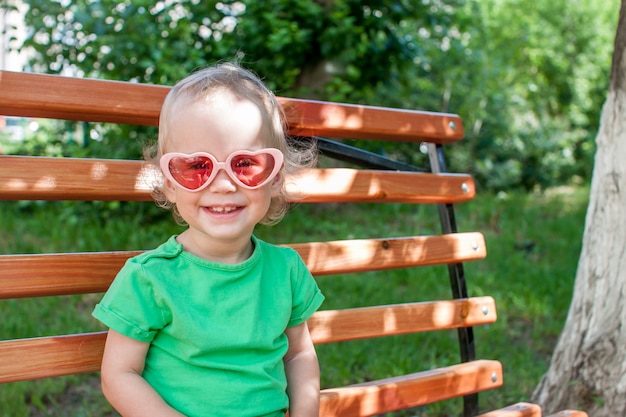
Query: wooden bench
(381,181)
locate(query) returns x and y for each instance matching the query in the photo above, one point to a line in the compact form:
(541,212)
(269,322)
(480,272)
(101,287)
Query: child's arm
(122,383)
(303,373)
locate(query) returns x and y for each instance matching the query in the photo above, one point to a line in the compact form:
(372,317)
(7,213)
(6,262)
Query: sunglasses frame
(278,156)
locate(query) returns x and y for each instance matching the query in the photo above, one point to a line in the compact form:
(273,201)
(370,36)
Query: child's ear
(277,184)
(169,190)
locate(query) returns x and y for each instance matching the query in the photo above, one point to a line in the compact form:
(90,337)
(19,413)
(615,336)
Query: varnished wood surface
(360,185)
(335,257)
(338,120)
(378,397)
(43,357)
(77,273)
(80,99)
(41,275)
(358,323)
(91,100)
(44,178)
(51,356)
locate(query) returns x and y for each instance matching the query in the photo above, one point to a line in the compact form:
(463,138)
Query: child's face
(224,211)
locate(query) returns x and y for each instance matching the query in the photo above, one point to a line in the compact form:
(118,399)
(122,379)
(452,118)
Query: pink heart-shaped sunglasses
(194,172)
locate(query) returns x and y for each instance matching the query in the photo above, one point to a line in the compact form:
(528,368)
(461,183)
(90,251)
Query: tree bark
(588,367)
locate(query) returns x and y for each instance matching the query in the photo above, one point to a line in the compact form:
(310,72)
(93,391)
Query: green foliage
(524,234)
(528,78)
(540,77)
(160,42)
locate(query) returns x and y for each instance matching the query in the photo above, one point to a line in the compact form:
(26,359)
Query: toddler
(213,321)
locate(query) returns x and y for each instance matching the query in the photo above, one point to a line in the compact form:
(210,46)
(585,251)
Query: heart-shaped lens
(252,170)
(192,172)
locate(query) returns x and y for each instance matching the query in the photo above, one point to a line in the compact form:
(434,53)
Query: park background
(528,78)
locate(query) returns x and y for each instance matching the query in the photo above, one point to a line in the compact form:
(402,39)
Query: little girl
(213,322)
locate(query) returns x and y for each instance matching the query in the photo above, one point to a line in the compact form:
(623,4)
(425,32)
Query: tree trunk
(588,367)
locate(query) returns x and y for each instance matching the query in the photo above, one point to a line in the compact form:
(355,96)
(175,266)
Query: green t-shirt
(217,331)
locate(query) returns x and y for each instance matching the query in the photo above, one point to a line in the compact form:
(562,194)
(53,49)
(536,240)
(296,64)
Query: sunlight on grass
(533,244)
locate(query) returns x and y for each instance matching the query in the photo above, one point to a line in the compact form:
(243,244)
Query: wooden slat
(43,178)
(89,100)
(28,359)
(78,273)
(93,100)
(55,356)
(59,274)
(63,355)
(317,118)
(378,397)
(346,256)
(44,357)
(516,410)
(367,322)
(353,185)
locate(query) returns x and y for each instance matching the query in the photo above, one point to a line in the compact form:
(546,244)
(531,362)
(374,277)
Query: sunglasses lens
(192,173)
(253,170)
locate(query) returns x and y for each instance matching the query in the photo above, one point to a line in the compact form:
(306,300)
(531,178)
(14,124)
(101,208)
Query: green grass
(533,246)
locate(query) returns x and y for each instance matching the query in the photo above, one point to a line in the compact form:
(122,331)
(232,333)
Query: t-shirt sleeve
(307,297)
(130,306)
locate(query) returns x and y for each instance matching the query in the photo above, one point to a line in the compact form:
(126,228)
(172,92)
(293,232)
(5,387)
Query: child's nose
(222,183)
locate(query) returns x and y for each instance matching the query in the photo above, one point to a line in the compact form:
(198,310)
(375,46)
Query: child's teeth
(223,209)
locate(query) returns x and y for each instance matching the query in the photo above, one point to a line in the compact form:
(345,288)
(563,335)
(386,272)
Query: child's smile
(222,210)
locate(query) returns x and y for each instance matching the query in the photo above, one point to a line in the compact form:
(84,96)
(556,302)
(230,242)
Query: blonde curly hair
(241,82)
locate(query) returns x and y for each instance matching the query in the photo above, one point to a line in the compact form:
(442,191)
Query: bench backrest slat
(43,357)
(359,323)
(337,257)
(78,273)
(42,178)
(38,95)
(71,354)
(359,185)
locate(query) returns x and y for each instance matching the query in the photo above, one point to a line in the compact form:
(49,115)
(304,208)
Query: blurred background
(528,78)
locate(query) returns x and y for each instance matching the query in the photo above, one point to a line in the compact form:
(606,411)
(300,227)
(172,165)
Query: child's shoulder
(276,252)
(271,247)
(167,250)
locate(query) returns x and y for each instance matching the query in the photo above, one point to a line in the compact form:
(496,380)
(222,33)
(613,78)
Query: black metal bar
(354,155)
(457,277)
